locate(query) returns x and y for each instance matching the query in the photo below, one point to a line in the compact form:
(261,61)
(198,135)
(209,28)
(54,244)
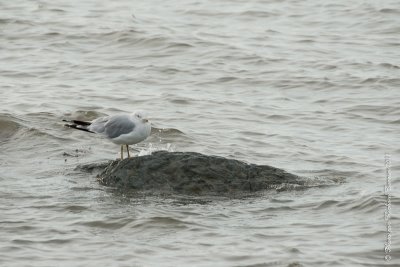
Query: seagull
(123,129)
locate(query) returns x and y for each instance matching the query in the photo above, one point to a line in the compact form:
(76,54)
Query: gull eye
(139,116)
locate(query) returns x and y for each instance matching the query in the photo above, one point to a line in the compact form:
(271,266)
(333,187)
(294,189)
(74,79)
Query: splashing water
(157,147)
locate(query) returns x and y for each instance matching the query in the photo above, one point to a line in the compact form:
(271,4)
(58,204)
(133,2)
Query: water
(308,86)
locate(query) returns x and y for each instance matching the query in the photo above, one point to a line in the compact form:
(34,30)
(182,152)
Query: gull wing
(117,125)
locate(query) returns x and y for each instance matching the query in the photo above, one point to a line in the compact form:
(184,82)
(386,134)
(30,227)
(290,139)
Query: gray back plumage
(118,125)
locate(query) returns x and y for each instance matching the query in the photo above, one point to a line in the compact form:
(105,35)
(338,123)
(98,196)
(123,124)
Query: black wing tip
(78,122)
(74,126)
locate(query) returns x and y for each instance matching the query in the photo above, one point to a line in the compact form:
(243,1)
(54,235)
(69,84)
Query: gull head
(141,115)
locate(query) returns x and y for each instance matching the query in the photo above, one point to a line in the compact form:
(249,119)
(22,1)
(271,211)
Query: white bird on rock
(124,129)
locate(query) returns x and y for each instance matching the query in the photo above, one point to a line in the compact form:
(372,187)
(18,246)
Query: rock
(95,167)
(193,174)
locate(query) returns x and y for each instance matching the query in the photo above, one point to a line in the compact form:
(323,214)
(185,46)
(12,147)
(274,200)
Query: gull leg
(127,150)
(122,152)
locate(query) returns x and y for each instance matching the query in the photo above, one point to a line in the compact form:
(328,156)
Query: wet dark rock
(95,167)
(193,174)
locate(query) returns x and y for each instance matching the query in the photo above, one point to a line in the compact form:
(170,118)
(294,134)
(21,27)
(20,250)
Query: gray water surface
(312,87)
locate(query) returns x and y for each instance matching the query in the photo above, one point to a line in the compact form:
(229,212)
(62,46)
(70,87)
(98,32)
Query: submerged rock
(193,174)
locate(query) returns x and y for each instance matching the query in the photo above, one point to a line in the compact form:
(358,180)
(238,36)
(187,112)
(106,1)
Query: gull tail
(78,125)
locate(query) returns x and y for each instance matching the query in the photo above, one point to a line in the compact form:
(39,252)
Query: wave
(9,126)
